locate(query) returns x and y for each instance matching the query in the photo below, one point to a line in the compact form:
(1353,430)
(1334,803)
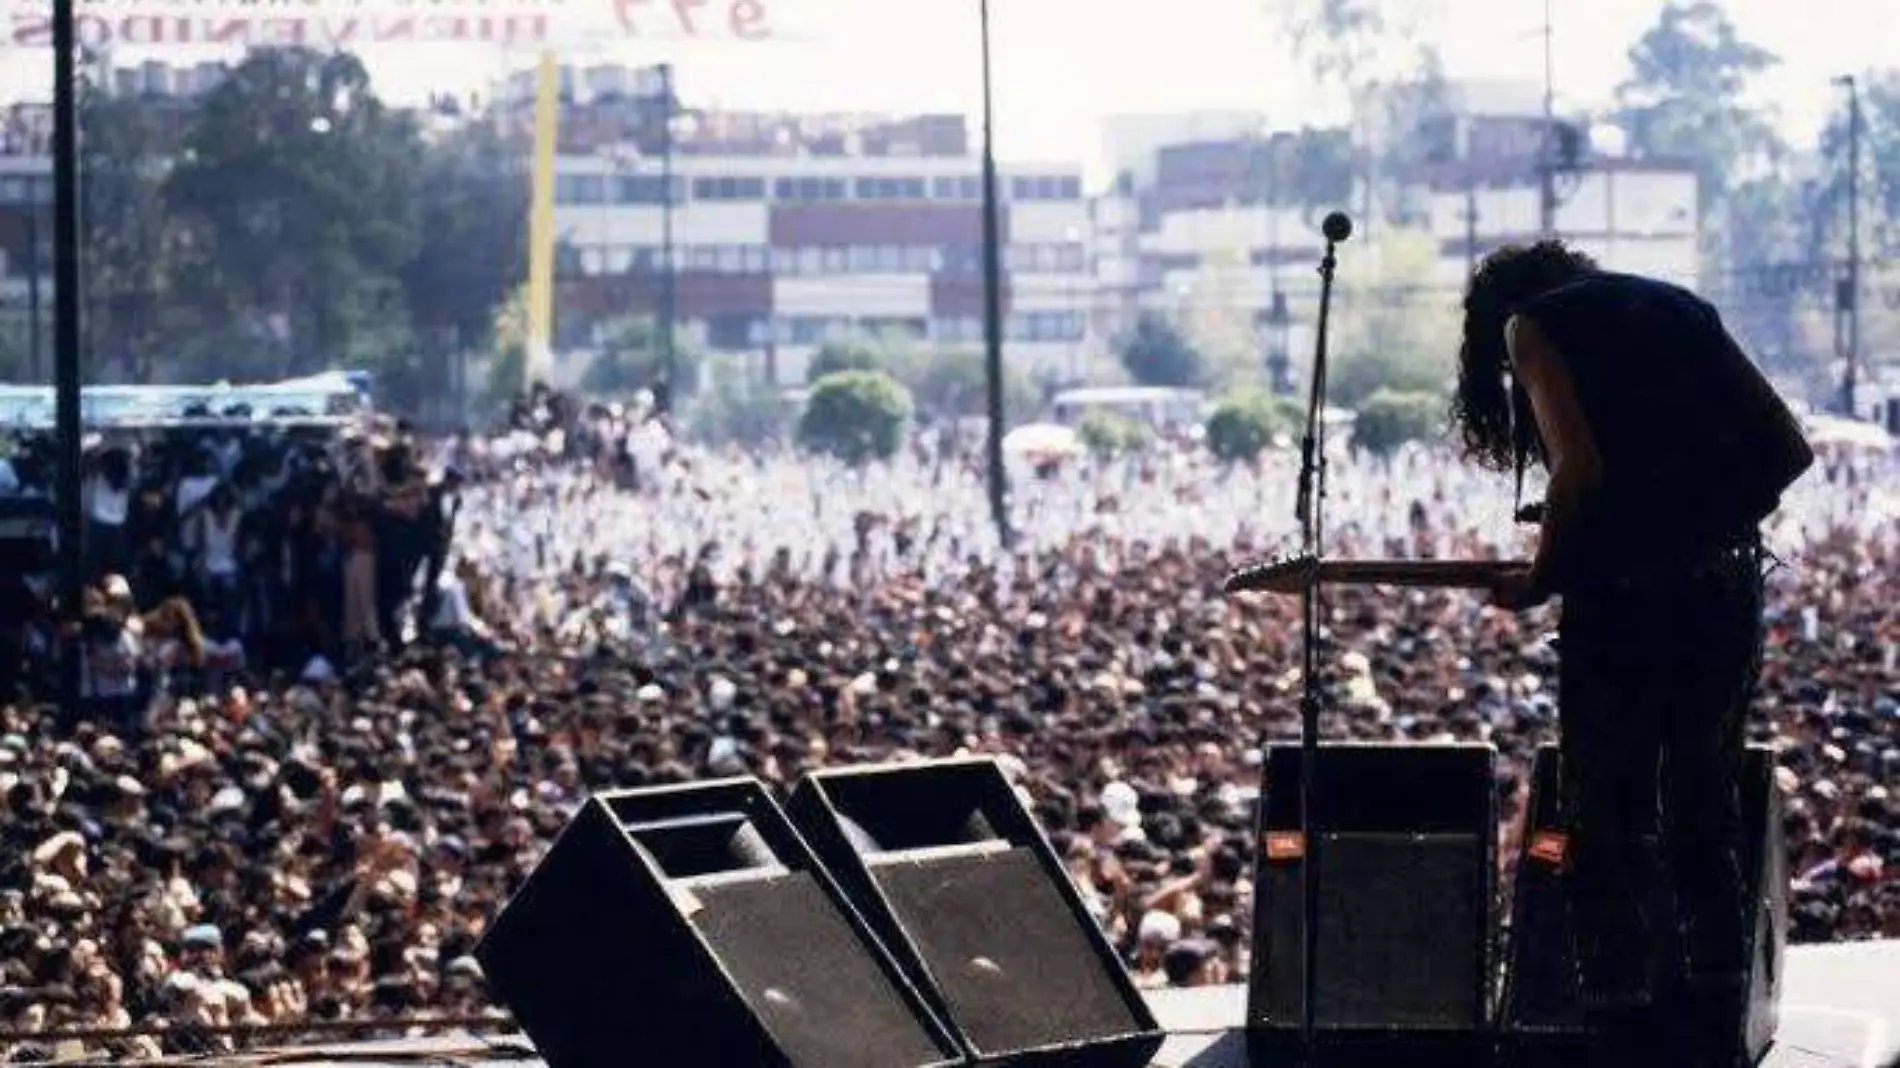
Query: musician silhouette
(1665,450)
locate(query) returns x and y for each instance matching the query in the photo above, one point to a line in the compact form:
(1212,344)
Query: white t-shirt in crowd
(452,608)
(112,669)
(107,505)
(217,550)
(193,489)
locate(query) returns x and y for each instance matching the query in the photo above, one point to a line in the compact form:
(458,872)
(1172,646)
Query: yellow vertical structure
(541,221)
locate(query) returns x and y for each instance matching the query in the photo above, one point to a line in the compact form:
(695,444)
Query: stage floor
(1840,1008)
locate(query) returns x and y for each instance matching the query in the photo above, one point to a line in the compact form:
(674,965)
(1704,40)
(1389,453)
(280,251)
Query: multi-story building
(1485,190)
(787,231)
(26,267)
(1229,214)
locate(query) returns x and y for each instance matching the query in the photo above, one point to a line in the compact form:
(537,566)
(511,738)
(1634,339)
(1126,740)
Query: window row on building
(756,331)
(602,189)
(1057,258)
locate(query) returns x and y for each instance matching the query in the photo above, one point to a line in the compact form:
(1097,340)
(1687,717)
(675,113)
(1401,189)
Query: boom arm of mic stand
(1311,443)
(1312,494)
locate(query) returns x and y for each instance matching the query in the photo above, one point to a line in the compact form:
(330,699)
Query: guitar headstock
(1289,573)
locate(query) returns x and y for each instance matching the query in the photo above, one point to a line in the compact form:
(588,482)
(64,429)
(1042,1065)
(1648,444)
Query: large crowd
(342,689)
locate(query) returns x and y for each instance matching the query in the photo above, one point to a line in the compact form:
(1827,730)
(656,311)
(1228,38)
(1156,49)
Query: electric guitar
(1293,574)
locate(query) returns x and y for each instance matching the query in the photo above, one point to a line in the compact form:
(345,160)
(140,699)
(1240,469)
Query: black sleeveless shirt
(1657,377)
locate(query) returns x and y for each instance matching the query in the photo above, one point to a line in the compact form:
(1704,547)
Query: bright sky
(1062,66)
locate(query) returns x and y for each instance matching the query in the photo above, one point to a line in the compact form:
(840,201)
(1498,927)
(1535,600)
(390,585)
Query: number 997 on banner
(745,20)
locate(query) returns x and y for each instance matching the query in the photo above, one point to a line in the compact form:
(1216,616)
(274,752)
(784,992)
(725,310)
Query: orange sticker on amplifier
(1285,845)
(1549,847)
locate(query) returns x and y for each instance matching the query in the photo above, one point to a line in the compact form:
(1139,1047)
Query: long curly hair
(1493,413)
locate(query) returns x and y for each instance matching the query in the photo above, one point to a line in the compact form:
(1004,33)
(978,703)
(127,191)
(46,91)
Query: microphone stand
(1309,510)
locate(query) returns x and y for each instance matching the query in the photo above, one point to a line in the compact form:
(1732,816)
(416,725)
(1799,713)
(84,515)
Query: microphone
(1337,227)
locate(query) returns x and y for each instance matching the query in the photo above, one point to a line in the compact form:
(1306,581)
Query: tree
(1879,211)
(856,416)
(1218,319)
(129,236)
(1689,75)
(1106,434)
(1368,371)
(1340,42)
(1243,425)
(471,247)
(1156,354)
(1766,285)
(954,385)
(12,358)
(508,361)
(852,355)
(1394,328)
(1390,418)
(298,189)
(630,359)
(1369,53)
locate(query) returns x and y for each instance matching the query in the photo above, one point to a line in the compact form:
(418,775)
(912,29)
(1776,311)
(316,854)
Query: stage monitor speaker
(692,925)
(950,870)
(1540,1016)
(1404,877)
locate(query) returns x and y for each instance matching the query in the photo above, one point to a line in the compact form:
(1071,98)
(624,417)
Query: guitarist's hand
(1516,590)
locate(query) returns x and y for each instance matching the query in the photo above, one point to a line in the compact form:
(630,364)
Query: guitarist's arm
(1576,467)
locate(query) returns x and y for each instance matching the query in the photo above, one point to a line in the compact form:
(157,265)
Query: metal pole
(668,269)
(993,300)
(1852,370)
(35,350)
(608,170)
(1547,161)
(72,586)
(1471,223)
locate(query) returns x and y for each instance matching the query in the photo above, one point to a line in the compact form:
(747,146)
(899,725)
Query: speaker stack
(692,925)
(931,926)
(1540,1018)
(952,873)
(1403,877)
(913,915)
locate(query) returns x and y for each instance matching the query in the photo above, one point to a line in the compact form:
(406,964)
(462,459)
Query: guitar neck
(1294,574)
(1448,574)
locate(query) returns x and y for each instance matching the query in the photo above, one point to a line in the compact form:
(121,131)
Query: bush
(1360,375)
(1243,425)
(837,357)
(1106,434)
(1156,354)
(1390,418)
(856,416)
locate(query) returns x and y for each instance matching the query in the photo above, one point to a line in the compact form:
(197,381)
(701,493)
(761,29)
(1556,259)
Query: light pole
(993,299)
(66,372)
(663,397)
(1847,296)
(1072,239)
(1279,359)
(618,160)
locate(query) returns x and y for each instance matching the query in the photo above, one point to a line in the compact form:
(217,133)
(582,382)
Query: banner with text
(344,24)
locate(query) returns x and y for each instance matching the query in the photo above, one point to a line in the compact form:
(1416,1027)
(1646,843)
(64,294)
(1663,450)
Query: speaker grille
(1398,915)
(805,975)
(1012,960)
